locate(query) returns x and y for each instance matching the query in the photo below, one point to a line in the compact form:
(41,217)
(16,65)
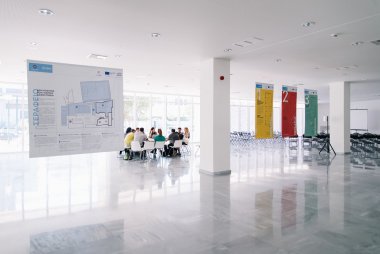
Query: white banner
(74,109)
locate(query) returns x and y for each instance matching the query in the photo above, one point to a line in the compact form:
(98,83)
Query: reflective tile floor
(275,201)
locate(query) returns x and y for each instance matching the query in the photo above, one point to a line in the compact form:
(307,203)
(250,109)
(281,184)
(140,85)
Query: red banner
(289,111)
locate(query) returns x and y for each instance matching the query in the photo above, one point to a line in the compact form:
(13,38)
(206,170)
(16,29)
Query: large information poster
(74,109)
(311,112)
(289,111)
(264,111)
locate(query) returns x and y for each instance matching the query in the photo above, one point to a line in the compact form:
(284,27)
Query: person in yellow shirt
(127,145)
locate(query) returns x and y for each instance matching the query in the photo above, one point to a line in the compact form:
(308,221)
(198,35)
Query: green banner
(311,113)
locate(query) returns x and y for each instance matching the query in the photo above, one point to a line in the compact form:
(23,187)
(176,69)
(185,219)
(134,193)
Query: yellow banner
(264,111)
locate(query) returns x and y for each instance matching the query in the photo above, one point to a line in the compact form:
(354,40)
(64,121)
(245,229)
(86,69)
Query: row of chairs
(246,139)
(241,138)
(365,145)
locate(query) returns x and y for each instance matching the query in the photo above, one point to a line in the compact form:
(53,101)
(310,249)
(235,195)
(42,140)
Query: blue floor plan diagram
(94,110)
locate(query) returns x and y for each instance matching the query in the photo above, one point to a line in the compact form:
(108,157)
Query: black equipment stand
(326,146)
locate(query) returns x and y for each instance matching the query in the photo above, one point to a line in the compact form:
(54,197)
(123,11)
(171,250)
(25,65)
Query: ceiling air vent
(376,42)
(96,56)
(247,42)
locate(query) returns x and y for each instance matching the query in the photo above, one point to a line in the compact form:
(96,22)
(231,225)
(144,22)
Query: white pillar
(215,117)
(340,116)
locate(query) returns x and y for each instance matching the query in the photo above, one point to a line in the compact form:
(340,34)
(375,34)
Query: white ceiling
(193,31)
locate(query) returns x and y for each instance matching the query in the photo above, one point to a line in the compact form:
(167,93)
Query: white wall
(373,107)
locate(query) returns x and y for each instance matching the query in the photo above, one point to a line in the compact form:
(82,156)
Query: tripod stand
(326,146)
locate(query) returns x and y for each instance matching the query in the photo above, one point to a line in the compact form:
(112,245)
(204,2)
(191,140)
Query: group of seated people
(139,135)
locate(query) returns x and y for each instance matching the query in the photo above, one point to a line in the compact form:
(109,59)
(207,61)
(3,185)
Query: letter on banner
(311,112)
(289,111)
(264,111)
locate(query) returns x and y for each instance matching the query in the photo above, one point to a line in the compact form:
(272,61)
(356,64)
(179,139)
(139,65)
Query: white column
(340,116)
(215,117)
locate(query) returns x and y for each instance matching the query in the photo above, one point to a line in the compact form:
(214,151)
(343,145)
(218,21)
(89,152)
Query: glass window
(235,102)
(300,121)
(185,112)
(143,111)
(244,119)
(172,114)
(195,132)
(251,119)
(277,120)
(13,117)
(158,112)
(235,122)
(129,116)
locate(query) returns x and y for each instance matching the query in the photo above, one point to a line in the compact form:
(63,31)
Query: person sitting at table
(128,130)
(159,138)
(152,133)
(180,134)
(186,136)
(127,145)
(172,138)
(140,136)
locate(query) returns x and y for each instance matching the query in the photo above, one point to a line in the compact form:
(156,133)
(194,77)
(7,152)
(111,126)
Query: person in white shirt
(140,137)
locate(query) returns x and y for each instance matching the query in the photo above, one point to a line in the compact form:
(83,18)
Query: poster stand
(327,145)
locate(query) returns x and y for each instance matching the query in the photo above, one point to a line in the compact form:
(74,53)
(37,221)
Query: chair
(135,147)
(160,145)
(293,142)
(307,141)
(186,149)
(148,147)
(177,145)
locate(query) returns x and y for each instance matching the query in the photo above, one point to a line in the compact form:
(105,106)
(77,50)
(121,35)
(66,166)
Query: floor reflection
(277,200)
(98,238)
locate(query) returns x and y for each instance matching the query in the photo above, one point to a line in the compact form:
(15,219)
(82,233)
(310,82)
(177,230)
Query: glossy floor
(275,201)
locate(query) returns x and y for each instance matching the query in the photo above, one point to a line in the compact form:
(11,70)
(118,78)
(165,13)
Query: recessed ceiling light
(308,24)
(357,43)
(156,35)
(96,56)
(33,45)
(46,12)
(227,50)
